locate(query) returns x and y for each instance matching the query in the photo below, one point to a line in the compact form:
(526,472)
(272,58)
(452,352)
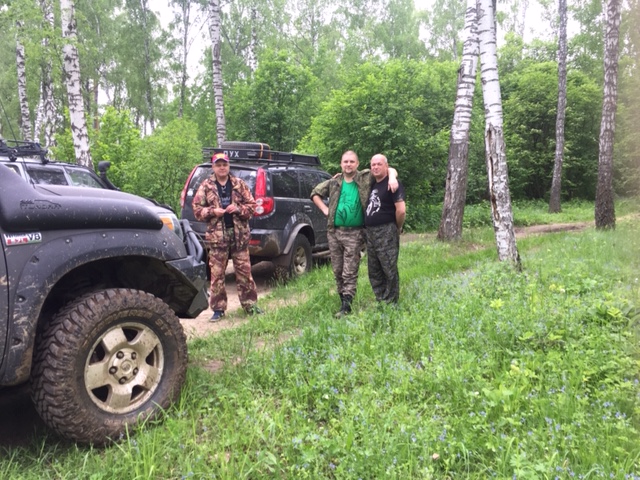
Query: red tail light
(264,204)
(183,195)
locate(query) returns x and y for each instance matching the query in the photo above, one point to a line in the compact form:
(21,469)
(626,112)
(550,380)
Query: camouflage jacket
(331,188)
(206,199)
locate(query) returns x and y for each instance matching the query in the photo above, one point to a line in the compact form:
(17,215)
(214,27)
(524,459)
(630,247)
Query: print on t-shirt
(374,203)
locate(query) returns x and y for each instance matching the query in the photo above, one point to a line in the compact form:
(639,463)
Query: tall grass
(481,372)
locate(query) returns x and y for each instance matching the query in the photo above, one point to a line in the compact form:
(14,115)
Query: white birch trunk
(214,30)
(605,209)
(144,7)
(46,116)
(25,117)
(71,65)
(556,182)
(496,158)
(458,164)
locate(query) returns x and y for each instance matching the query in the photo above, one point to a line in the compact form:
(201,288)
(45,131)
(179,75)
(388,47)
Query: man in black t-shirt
(383,218)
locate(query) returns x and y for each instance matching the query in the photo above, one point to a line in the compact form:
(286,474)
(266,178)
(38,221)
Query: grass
(482,372)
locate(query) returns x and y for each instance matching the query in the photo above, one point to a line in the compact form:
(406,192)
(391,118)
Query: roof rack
(23,149)
(256,155)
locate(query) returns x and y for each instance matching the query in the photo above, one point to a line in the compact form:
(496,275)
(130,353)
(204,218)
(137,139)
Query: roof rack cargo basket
(261,156)
(22,149)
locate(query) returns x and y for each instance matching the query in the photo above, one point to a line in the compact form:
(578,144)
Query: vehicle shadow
(20,424)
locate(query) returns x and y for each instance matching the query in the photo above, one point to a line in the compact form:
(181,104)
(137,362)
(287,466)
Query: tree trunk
(458,163)
(556,183)
(144,9)
(71,65)
(45,118)
(253,45)
(214,31)
(500,196)
(25,117)
(605,208)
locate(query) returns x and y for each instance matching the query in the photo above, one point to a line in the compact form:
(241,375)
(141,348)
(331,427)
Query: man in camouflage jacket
(226,204)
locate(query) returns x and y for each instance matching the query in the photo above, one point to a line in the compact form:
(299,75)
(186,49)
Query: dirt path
(263,276)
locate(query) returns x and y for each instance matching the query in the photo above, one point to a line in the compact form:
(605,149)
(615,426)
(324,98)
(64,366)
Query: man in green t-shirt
(348,194)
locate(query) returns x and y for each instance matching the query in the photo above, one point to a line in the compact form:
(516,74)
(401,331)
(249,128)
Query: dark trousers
(383,247)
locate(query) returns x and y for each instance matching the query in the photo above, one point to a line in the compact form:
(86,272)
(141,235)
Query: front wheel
(108,360)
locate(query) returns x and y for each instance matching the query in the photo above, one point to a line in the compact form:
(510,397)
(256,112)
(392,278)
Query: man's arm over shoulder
(401,213)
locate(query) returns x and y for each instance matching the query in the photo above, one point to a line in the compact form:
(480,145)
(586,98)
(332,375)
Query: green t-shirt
(349,211)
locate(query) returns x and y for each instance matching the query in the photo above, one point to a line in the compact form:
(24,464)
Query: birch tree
(556,182)
(25,118)
(214,31)
(46,113)
(71,66)
(496,158)
(605,209)
(458,163)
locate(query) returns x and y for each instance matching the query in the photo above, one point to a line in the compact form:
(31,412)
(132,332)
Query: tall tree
(500,197)
(25,118)
(46,113)
(71,65)
(605,209)
(214,31)
(458,164)
(444,23)
(556,182)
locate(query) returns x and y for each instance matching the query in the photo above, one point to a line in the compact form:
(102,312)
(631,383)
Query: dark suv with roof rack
(287,228)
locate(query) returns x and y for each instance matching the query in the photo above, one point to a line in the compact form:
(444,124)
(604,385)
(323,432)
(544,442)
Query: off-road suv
(92,283)
(287,228)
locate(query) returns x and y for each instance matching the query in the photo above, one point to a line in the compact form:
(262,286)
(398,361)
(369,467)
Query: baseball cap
(220,156)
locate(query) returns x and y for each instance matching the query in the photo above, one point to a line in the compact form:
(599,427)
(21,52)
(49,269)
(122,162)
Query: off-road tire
(300,261)
(108,360)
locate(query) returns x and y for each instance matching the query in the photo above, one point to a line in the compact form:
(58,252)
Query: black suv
(287,228)
(92,283)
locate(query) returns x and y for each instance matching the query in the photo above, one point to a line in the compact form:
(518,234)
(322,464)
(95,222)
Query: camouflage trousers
(383,247)
(345,245)
(218,260)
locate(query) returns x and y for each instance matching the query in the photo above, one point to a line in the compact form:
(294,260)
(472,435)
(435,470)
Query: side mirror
(102,169)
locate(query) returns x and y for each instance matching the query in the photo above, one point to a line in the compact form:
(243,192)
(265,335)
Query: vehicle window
(197,178)
(13,167)
(285,184)
(309,180)
(81,178)
(249,177)
(48,176)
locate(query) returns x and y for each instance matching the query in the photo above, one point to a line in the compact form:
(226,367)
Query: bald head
(379,166)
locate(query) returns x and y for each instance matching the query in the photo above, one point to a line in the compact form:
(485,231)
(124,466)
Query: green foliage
(275,105)
(164,163)
(530,101)
(118,142)
(400,108)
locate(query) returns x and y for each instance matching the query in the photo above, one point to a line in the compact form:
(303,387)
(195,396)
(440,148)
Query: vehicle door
(308,181)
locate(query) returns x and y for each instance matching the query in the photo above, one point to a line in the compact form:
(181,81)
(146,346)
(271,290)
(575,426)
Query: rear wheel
(300,261)
(108,360)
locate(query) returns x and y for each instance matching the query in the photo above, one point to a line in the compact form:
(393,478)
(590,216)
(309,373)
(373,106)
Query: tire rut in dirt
(107,360)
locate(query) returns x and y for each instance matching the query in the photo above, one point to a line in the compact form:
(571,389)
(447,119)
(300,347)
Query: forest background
(323,76)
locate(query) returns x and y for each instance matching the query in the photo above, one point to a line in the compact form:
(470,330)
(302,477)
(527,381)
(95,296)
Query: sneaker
(217,315)
(253,310)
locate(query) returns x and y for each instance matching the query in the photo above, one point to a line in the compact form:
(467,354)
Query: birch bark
(214,31)
(458,163)
(25,117)
(496,158)
(605,209)
(556,182)
(71,66)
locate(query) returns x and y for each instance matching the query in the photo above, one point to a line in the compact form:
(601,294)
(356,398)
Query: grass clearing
(482,372)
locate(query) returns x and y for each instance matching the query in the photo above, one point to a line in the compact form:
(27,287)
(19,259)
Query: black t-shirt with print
(381,206)
(224,192)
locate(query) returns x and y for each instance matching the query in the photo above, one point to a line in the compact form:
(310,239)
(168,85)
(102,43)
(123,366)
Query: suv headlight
(172,223)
